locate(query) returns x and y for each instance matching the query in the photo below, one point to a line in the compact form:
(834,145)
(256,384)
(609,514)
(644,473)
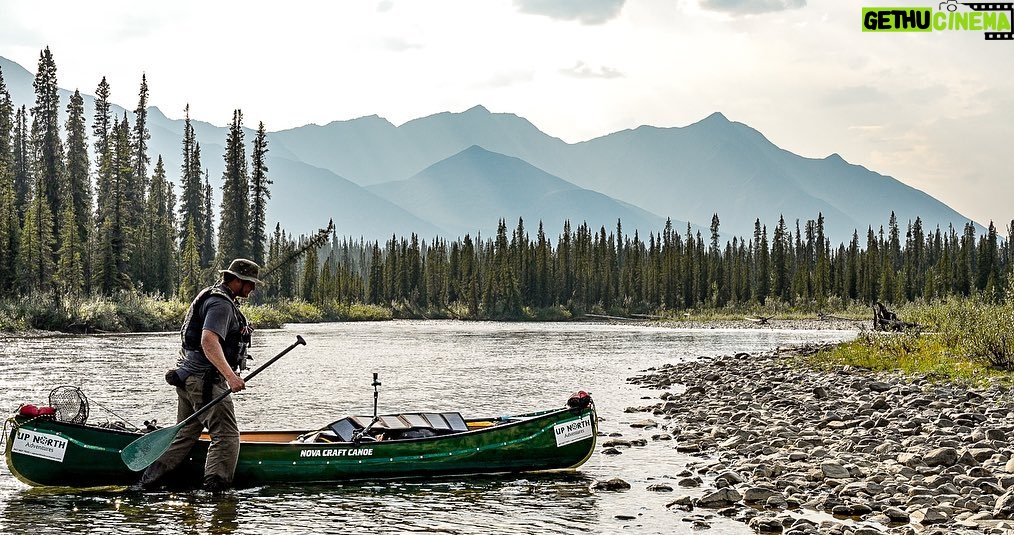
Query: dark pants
(220,420)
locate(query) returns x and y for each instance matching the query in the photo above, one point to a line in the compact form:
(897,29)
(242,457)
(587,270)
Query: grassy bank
(966,341)
(131,312)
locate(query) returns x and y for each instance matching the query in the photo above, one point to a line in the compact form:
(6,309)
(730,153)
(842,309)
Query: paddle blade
(140,453)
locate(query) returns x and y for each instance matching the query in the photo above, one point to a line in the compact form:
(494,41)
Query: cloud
(583,70)
(584,11)
(751,7)
(398,44)
(511,78)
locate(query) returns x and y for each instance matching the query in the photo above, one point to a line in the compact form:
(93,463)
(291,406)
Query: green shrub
(298,311)
(263,316)
(363,312)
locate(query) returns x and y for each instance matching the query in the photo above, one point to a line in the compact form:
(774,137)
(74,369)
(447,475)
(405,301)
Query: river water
(476,368)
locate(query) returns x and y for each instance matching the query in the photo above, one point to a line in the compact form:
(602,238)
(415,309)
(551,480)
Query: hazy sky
(934,110)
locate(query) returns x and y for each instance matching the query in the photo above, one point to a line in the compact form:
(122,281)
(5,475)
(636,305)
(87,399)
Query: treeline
(73,224)
(510,274)
(70,225)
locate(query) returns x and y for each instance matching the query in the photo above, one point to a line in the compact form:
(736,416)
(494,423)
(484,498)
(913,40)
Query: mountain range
(452,174)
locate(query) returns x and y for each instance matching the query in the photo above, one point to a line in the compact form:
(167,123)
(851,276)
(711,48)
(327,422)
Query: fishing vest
(236,342)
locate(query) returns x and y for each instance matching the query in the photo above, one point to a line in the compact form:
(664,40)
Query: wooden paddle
(140,453)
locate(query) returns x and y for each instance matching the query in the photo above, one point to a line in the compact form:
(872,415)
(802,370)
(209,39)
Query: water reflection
(553,503)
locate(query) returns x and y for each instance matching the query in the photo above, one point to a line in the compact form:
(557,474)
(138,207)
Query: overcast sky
(934,110)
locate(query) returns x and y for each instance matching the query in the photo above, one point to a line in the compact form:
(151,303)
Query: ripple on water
(477,368)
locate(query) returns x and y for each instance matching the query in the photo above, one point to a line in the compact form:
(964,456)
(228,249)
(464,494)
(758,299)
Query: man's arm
(212,347)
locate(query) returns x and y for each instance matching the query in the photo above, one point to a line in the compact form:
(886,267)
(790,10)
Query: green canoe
(42,450)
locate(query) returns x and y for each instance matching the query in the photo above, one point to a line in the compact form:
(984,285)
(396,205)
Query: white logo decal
(573,431)
(39,445)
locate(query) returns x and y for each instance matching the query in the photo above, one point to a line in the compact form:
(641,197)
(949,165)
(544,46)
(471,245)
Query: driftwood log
(885,320)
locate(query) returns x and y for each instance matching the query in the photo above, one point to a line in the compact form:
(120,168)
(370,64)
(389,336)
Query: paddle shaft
(299,342)
(140,453)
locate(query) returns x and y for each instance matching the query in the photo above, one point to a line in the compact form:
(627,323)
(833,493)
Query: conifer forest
(85,210)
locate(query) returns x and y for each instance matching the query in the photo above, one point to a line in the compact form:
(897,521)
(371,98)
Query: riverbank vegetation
(963,340)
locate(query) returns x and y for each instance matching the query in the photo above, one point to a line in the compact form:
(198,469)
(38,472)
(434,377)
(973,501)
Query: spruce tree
(102,130)
(48,162)
(191,188)
(35,251)
(136,189)
(780,262)
(69,276)
(22,162)
(159,229)
(259,195)
(207,232)
(9,235)
(6,132)
(190,264)
(140,136)
(9,221)
(115,236)
(80,184)
(234,226)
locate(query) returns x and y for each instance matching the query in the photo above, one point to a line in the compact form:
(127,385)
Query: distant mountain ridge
(452,173)
(472,190)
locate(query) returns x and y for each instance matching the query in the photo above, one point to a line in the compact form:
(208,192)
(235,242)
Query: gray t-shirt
(219,318)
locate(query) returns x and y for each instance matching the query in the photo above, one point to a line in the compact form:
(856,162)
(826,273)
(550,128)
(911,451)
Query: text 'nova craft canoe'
(44,449)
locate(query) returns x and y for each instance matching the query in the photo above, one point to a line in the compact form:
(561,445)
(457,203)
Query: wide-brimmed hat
(244,269)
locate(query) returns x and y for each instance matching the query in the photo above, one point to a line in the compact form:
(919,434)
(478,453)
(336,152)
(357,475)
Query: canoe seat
(344,429)
(447,421)
(392,426)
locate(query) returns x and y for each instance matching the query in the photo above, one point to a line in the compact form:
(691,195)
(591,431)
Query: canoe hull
(46,452)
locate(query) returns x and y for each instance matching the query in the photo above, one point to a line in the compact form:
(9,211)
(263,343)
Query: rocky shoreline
(882,452)
(811,324)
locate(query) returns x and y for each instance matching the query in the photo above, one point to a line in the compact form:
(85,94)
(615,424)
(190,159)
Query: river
(476,368)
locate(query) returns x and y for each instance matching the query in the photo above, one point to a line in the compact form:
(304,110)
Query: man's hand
(212,347)
(236,383)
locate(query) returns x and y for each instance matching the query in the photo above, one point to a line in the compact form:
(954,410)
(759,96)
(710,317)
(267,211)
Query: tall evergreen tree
(762,277)
(207,232)
(36,249)
(102,131)
(140,136)
(190,263)
(780,282)
(10,232)
(80,184)
(22,162)
(259,195)
(234,226)
(48,162)
(160,233)
(9,221)
(191,188)
(69,276)
(6,131)
(115,236)
(138,182)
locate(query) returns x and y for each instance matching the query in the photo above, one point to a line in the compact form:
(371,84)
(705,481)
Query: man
(215,337)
